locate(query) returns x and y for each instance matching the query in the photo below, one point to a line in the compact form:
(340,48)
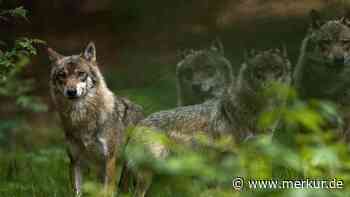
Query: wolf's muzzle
(72,93)
(340,61)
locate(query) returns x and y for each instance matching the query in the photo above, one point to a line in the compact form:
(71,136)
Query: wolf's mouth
(72,97)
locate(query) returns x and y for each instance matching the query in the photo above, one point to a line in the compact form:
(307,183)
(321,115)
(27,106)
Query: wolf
(235,113)
(203,75)
(93,118)
(323,66)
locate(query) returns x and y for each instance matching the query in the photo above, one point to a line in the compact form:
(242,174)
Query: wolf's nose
(339,61)
(72,92)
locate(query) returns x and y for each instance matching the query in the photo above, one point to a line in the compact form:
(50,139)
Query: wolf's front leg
(109,176)
(76,177)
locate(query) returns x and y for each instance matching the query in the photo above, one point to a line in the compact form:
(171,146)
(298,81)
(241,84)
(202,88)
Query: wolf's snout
(339,60)
(72,93)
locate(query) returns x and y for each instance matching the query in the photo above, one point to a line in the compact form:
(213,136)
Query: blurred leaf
(17,12)
(31,103)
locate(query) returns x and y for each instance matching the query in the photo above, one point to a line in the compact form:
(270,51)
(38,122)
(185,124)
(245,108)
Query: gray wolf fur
(203,75)
(323,68)
(93,118)
(235,113)
(324,63)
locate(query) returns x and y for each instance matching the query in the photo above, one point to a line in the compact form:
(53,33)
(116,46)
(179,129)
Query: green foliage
(17,12)
(13,59)
(34,174)
(210,166)
(11,55)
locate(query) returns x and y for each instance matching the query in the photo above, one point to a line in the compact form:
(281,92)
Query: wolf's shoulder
(130,112)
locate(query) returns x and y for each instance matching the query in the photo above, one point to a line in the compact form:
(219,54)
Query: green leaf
(17,12)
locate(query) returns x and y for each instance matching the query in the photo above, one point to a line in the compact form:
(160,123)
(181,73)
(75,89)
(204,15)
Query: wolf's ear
(346,19)
(53,55)
(217,45)
(285,51)
(90,52)
(315,19)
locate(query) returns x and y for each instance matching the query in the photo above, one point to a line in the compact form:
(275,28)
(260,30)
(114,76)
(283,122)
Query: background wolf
(203,75)
(323,67)
(235,113)
(324,63)
(94,119)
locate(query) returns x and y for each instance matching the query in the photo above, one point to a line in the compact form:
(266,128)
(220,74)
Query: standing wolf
(235,113)
(94,119)
(203,75)
(323,68)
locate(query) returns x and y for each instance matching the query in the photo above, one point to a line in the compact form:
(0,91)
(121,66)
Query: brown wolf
(235,113)
(94,119)
(202,75)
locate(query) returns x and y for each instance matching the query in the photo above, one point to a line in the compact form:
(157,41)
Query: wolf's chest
(84,136)
(80,127)
(90,148)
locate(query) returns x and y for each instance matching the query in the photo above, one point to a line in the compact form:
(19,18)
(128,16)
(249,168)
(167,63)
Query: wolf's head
(74,76)
(264,68)
(204,73)
(329,41)
(254,92)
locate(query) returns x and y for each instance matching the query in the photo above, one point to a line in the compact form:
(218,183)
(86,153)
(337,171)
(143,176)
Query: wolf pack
(211,99)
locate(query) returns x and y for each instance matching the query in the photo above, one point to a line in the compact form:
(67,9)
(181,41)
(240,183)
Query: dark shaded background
(133,35)
(138,41)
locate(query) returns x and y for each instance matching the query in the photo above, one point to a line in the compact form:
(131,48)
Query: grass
(40,173)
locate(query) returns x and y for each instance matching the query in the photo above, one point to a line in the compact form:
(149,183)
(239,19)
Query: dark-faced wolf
(93,118)
(203,75)
(235,113)
(323,68)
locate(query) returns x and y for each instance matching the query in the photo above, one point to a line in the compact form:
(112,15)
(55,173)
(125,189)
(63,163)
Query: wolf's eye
(346,41)
(82,75)
(61,74)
